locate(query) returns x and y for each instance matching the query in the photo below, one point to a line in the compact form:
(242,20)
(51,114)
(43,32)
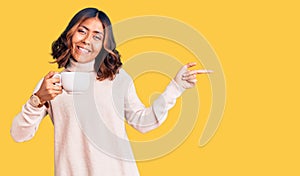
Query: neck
(75,66)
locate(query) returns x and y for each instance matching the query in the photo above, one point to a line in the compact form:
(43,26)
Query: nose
(87,39)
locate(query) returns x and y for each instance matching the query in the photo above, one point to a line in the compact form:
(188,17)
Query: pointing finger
(204,71)
(194,72)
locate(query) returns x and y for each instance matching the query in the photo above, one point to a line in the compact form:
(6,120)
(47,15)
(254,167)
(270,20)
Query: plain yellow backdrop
(258,46)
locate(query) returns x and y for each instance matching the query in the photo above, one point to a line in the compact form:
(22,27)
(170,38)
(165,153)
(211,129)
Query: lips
(82,50)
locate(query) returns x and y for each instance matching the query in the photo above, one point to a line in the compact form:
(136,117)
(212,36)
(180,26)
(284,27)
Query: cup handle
(57,75)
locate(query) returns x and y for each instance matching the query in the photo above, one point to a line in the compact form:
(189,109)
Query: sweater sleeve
(26,123)
(144,118)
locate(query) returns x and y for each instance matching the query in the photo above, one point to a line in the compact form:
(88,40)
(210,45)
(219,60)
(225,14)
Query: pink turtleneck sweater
(89,128)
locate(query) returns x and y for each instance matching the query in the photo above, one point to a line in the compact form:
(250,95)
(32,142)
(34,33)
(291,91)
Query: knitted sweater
(89,128)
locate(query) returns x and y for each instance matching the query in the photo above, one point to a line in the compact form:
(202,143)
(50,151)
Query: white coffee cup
(74,82)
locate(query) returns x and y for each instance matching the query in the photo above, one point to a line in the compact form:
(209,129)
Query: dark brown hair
(107,63)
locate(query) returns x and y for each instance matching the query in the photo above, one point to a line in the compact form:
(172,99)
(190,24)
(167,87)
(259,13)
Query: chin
(82,60)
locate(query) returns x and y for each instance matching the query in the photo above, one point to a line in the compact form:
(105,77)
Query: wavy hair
(107,62)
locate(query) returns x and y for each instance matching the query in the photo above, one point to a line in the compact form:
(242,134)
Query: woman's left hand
(187,78)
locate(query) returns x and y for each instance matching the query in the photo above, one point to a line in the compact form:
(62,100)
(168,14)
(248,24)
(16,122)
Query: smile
(83,50)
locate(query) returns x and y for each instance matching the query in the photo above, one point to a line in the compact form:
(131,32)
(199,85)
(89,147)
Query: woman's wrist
(37,102)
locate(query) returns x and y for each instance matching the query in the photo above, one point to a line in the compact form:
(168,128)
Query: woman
(88,45)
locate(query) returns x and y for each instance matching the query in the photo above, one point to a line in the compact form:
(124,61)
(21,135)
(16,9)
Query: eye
(97,37)
(81,31)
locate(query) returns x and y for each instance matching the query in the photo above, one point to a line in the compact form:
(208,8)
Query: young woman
(88,45)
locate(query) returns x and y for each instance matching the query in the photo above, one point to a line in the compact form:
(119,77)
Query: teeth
(83,50)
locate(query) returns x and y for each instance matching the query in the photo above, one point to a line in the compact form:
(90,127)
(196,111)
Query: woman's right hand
(48,90)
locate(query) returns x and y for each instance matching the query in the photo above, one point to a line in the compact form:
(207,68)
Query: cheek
(97,47)
(74,39)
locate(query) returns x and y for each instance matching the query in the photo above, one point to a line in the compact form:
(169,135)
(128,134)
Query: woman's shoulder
(123,75)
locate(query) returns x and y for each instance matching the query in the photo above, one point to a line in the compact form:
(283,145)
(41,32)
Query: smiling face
(87,40)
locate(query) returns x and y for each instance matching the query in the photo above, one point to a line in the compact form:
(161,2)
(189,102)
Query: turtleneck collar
(75,66)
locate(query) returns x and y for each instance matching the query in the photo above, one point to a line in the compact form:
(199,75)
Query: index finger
(203,71)
(55,80)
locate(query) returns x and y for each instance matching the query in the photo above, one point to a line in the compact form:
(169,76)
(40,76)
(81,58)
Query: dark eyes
(81,31)
(96,37)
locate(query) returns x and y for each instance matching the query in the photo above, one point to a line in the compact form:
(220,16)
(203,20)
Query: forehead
(93,24)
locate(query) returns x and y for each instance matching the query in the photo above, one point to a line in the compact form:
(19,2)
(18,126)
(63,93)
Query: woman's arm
(26,123)
(145,119)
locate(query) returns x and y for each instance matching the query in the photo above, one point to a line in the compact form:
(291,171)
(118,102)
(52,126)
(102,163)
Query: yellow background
(258,46)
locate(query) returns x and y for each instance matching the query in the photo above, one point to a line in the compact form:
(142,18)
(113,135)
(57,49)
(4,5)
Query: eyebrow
(97,32)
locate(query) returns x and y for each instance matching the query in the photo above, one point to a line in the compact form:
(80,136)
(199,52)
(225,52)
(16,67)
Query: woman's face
(87,40)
